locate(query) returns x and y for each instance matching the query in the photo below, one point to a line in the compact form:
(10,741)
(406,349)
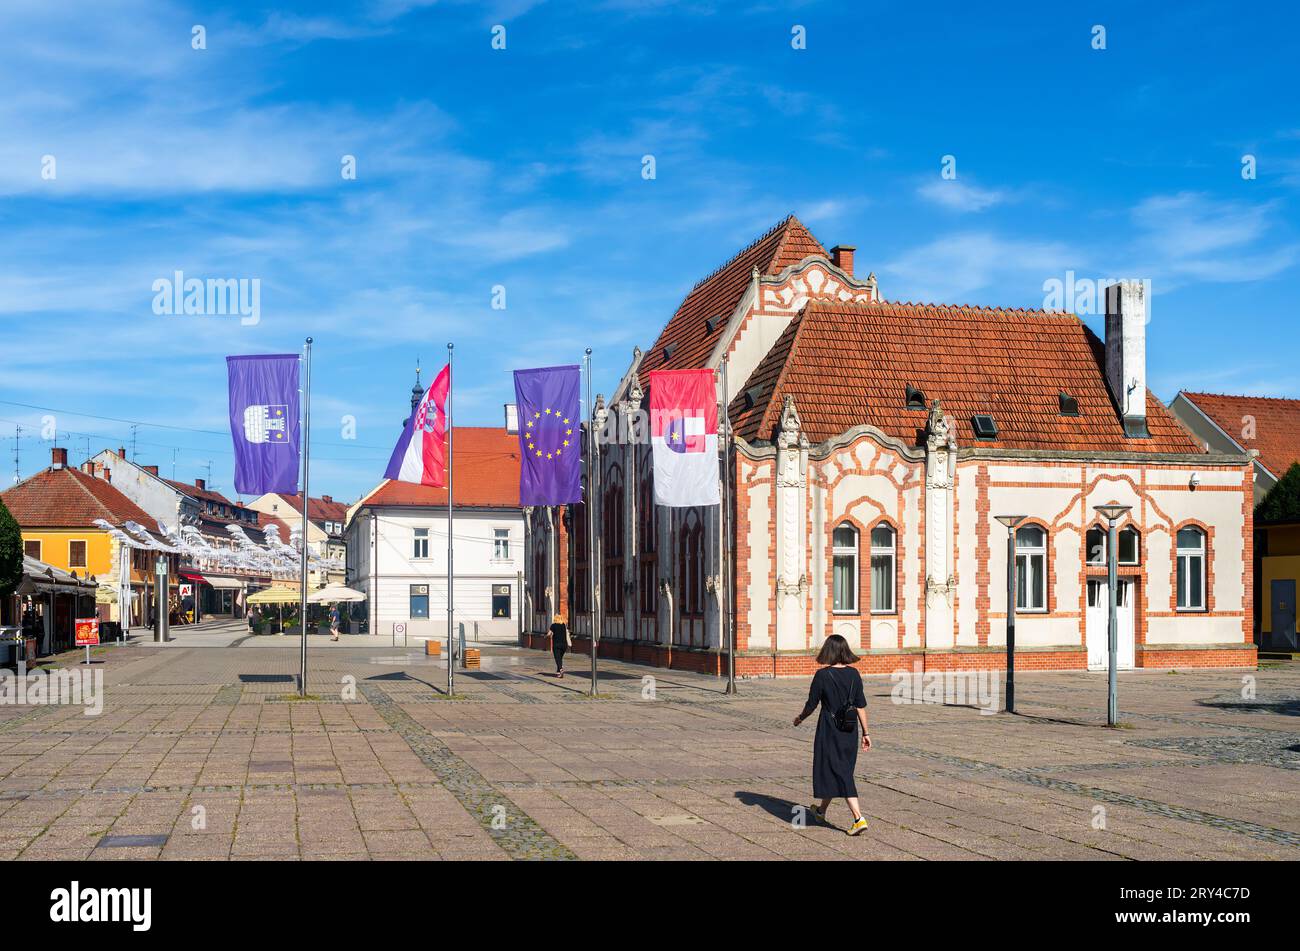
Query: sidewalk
(207,753)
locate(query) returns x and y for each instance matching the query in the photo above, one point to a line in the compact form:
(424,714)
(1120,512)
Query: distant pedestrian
(837,688)
(559,644)
(334,622)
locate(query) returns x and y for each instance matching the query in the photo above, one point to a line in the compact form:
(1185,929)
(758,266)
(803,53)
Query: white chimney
(1126,353)
(512,418)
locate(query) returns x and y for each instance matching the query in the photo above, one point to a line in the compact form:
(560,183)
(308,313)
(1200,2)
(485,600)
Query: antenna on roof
(18,435)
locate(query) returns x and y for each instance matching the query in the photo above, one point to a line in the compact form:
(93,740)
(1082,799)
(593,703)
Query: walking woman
(837,688)
(559,644)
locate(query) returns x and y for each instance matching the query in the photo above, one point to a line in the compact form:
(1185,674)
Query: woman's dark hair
(836,651)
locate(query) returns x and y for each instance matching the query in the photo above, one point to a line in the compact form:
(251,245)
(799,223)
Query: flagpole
(728,631)
(451,665)
(591,518)
(306,503)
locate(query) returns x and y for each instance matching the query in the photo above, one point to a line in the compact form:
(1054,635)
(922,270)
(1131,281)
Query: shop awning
(231,583)
(193,576)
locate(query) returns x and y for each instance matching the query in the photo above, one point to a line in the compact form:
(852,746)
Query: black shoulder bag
(846,717)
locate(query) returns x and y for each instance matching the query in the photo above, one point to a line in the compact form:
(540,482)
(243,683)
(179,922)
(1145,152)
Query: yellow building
(1279,559)
(69,519)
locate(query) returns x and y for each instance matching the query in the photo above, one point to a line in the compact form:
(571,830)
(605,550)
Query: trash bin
(11,646)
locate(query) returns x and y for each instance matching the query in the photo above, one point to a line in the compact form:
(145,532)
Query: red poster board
(87,631)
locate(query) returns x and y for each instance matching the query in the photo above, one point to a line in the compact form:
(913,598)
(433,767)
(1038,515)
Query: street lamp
(1112,513)
(160,598)
(1011,521)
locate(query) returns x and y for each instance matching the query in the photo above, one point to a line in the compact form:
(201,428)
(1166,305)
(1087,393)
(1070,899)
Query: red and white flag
(684,437)
(420,456)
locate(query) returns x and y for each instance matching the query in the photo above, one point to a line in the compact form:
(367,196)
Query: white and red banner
(420,456)
(684,437)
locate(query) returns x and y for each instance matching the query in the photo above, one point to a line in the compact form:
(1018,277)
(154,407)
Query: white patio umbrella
(332,593)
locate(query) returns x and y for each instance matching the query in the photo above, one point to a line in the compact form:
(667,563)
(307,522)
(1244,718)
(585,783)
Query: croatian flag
(684,437)
(264,422)
(421,454)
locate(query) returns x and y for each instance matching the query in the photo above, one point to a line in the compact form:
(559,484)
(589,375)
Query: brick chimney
(152,470)
(88,467)
(200,483)
(842,257)
(1126,353)
(121,452)
(107,474)
(59,457)
(327,499)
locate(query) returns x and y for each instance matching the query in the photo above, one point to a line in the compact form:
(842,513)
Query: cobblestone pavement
(205,753)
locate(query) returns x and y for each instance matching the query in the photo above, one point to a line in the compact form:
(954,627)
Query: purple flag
(550,435)
(264,422)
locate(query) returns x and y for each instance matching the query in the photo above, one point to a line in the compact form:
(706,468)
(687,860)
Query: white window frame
(1031,553)
(1201,553)
(1105,543)
(497,540)
(845,551)
(891,554)
(420,539)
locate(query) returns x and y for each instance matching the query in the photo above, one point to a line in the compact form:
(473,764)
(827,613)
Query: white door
(1096,621)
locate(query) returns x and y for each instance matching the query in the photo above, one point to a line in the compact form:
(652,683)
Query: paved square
(200,754)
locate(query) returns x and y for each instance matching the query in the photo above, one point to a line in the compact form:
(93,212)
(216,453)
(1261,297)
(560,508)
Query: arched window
(648,580)
(1191,569)
(612,590)
(690,573)
(1130,545)
(1031,568)
(844,569)
(883,539)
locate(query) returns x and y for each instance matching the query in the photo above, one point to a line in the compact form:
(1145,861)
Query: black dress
(835,754)
(559,644)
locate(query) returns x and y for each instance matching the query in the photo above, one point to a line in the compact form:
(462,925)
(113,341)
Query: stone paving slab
(208,749)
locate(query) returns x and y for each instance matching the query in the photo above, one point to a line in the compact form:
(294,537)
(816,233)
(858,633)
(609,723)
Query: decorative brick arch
(1208,532)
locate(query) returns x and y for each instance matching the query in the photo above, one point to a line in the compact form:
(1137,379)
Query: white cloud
(956,268)
(956,195)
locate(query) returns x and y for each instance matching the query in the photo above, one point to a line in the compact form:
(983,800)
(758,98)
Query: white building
(397,545)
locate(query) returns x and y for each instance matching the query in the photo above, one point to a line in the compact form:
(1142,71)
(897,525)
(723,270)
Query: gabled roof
(194,492)
(1276,424)
(485,469)
(322,510)
(69,498)
(688,335)
(849,364)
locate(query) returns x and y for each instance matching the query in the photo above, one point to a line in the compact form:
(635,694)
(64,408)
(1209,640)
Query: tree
(11,552)
(1282,504)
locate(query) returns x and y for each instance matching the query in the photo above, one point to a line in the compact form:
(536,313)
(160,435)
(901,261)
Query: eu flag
(550,435)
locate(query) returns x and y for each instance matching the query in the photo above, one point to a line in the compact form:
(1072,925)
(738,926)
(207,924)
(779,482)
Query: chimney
(1126,353)
(152,470)
(327,499)
(200,483)
(107,473)
(59,457)
(121,452)
(88,467)
(512,418)
(842,257)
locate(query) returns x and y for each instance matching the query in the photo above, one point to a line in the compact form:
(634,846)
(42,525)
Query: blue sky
(522,167)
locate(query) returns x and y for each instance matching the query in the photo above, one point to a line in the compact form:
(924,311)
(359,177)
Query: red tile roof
(1277,425)
(688,334)
(485,469)
(194,492)
(850,364)
(321,510)
(69,498)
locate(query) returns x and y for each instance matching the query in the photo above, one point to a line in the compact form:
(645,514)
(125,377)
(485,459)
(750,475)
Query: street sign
(399,630)
(87,631)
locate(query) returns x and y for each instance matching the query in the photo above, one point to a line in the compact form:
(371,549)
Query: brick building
(875,443)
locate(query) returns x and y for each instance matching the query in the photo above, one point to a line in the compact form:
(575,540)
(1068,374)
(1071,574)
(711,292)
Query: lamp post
(160,633)
(1011,521)
(1112,513)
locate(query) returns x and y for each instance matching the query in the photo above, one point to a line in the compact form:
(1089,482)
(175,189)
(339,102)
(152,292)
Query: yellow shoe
(859,826)
(817,814)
